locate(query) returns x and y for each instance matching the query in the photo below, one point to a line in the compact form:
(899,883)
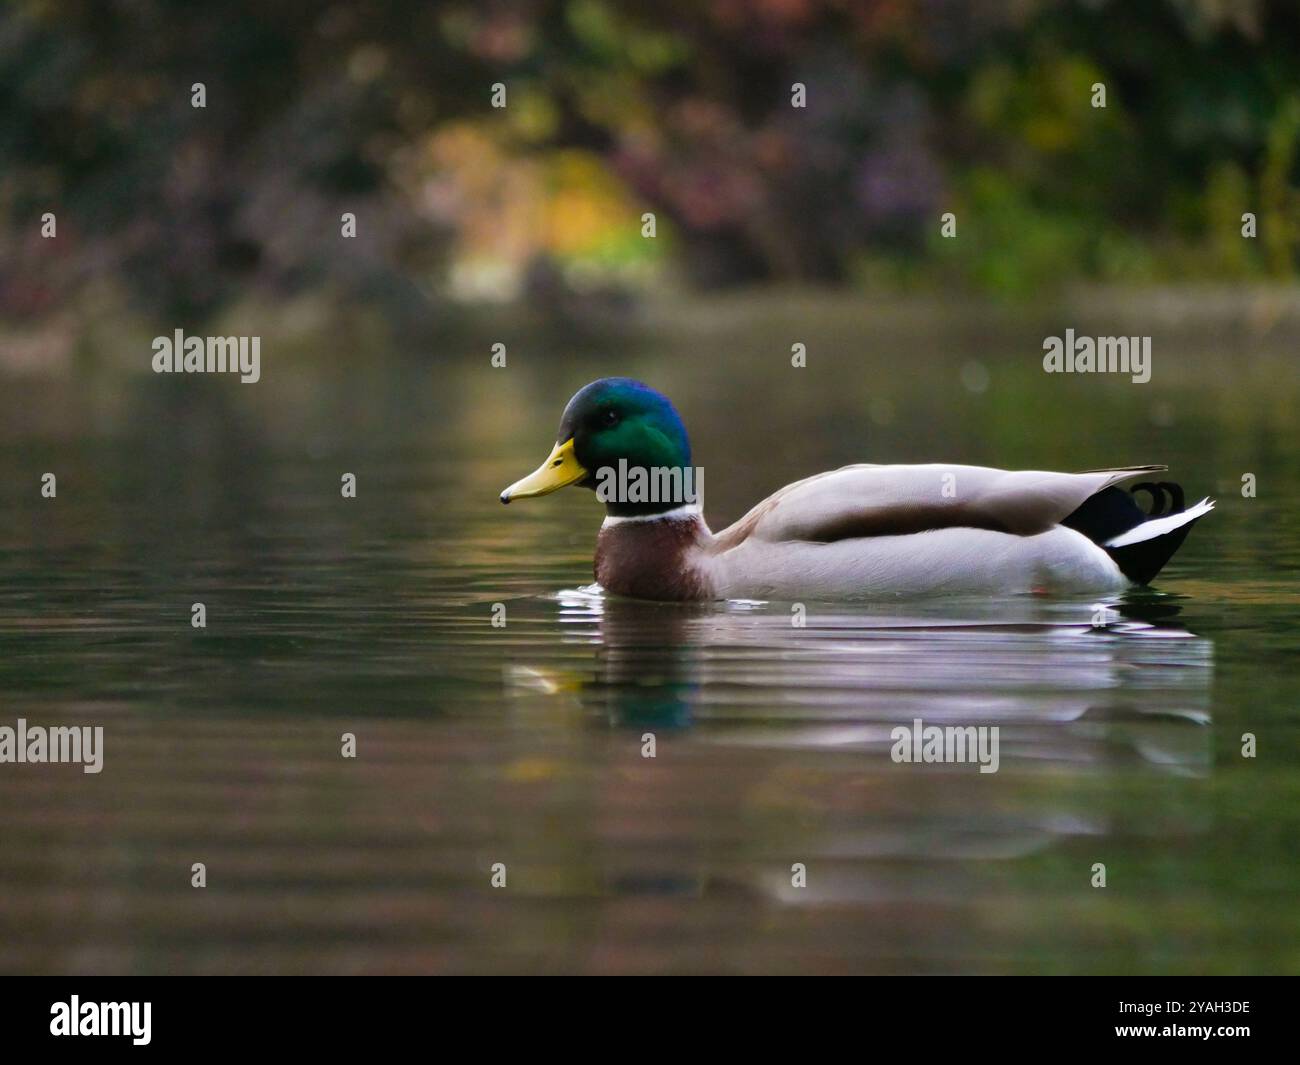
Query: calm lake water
(522,745)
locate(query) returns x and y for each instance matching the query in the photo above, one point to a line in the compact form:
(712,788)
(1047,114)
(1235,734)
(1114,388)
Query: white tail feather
(1149,530)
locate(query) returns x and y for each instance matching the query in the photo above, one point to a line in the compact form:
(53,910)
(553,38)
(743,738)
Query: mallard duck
(859,532)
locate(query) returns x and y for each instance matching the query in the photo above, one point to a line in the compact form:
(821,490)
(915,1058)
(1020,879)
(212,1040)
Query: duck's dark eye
(610,417)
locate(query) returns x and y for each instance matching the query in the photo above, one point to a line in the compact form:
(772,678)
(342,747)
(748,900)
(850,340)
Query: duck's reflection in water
(779,721)
(1065,681)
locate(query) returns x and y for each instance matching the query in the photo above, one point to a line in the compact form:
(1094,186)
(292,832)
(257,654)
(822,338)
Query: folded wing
(868,500)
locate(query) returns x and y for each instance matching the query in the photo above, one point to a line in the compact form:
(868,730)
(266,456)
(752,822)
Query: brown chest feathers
(653,559)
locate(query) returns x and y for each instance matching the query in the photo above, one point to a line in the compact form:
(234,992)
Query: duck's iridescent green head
(625,441)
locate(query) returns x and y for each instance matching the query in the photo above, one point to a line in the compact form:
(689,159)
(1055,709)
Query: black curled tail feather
(1166,497)
(1112,513)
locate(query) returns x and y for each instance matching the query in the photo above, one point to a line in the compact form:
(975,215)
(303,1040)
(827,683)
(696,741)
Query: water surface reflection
(831,675)
(1119,745)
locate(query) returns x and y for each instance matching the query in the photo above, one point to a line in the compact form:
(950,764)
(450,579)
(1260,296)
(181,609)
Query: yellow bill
(560,469)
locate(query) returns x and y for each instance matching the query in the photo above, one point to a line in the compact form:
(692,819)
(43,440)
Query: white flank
(1149,530)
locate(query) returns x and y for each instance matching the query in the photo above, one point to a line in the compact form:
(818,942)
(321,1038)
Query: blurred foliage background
(683,108)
